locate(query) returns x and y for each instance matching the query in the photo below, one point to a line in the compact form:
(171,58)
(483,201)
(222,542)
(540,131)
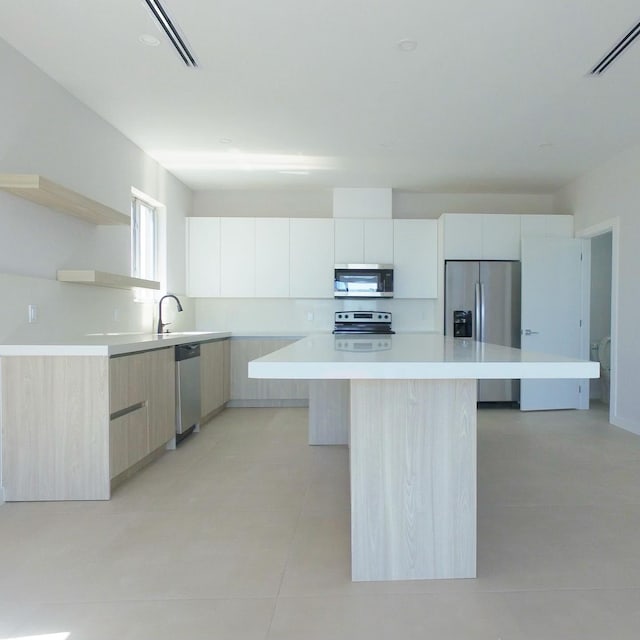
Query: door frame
(612,225)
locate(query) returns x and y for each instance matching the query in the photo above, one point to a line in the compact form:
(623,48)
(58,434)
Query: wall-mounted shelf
(42,191)
(103,279)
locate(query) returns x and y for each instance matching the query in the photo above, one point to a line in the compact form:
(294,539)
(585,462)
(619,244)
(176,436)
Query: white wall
(47,131)
(305,316)
(609,191)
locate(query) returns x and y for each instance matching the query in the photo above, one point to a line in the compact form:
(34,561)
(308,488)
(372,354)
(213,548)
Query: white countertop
(412,356)
(109,344)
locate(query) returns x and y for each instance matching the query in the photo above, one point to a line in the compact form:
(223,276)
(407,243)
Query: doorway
(601,291)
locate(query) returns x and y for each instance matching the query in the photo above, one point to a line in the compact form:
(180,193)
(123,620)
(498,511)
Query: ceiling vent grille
(160,14)
(616,51)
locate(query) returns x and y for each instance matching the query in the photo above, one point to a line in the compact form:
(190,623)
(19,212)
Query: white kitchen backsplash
(305,315)
(71,310)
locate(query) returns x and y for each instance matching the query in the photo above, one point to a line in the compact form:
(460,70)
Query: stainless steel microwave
(363,281)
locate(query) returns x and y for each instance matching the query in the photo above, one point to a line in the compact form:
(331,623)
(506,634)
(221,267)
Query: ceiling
(496,96)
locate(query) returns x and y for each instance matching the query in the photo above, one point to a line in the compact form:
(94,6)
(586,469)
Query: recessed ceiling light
(225,141)
(407,45)
(149,40)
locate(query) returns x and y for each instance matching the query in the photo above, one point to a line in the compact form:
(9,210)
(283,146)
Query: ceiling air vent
(616,51)
(160,14)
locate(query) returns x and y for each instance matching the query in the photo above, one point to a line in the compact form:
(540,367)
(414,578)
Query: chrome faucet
(162,325)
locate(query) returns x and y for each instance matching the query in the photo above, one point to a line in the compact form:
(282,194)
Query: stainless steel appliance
(363,281)
(353,322)
(187,389)
(482,302)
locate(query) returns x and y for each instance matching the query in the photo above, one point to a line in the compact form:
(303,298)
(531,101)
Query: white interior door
(551,313)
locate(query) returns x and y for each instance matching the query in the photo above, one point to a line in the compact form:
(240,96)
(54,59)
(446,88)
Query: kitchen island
(411,419)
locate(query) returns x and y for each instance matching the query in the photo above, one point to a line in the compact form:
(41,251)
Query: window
(144,240)
(148,243)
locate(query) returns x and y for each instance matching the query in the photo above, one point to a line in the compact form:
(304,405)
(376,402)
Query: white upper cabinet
(378,241)
(560,226)
(368,241)
(203,257)
(415,258)
(462,236)
(272,257)
(311,258)
(238,257)
(349,240)
(474,236)
(500,237)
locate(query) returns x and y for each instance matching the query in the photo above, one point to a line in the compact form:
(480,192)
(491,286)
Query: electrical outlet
(32,313)
(310,316)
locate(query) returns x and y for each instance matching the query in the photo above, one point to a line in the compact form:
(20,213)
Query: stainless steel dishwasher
(187,389)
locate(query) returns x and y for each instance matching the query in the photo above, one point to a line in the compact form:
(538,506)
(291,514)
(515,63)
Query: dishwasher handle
(187,351)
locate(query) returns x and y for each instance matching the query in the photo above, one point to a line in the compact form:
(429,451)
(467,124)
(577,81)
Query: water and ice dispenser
(462,324)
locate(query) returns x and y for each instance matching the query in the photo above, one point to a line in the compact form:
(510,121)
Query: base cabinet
(71,424)
(142,405)
(256,392)
(214,376)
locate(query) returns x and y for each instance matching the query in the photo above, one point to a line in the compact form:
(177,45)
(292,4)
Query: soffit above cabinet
(49,194)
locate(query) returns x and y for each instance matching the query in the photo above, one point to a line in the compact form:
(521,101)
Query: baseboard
(295,402)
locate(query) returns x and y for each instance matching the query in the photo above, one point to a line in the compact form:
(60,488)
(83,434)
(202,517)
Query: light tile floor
(243,533)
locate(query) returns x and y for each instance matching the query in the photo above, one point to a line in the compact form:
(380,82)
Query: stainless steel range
(350,322)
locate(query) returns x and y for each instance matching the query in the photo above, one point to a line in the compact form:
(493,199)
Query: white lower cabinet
(415,258)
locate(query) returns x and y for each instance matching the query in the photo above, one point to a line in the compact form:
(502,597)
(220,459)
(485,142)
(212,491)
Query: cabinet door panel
(415,251)
(212,376)
(311,251)
(203,257)
(378,241)
(128,441)
(462,236)
(161,397)
(500,237)
(237,257)
(349,240)
(245,388)
(272,257)
(128,380)
(560,226)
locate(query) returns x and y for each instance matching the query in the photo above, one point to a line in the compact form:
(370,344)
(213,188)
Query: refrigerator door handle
(483,309)
(477,333)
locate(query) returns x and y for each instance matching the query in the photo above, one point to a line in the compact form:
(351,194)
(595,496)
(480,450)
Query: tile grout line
(289,553)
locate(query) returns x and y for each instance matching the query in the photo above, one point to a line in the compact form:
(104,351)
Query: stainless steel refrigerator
(482,302)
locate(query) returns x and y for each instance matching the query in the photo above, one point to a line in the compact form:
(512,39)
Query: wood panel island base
(412,428)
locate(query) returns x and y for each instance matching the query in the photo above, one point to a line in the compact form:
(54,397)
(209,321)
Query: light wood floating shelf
(103,279)
(42,191)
